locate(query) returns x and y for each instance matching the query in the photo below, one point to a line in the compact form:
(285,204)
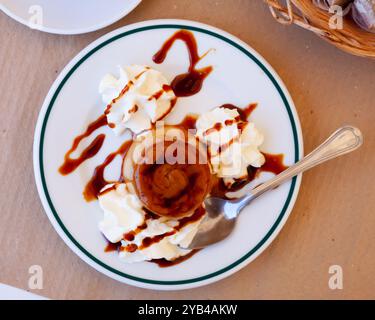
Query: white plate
(67,16)
(240,76)
(12,293)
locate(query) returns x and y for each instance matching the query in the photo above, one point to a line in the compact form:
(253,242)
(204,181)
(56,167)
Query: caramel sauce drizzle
(189,122)
(191,82)
(274,164)
(112,246)
(97,181)
(244,113)
(173,102)
(156,95)
(131,234)
(148,241)
(122,93)
(164,263)
(199,213)
(217,127)
(69,164)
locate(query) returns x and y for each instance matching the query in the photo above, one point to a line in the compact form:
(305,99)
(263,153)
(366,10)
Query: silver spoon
(221,214)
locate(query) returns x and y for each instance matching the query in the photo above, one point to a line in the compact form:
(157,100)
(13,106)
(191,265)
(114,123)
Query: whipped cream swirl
(137,99)
(142,238)
(232,142)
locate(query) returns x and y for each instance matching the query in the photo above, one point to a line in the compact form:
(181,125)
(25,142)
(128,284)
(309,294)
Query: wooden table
(333,222)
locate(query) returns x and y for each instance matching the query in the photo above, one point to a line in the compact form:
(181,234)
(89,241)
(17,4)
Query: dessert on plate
(167,172)
(153,211)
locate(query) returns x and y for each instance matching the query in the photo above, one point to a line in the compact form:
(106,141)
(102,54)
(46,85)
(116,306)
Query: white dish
(240,76)
(12,293)
(67,16)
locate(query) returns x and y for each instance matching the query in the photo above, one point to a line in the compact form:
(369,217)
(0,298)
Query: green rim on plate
(61,85)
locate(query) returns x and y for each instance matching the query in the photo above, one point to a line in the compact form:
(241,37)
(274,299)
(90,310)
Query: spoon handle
(342,141)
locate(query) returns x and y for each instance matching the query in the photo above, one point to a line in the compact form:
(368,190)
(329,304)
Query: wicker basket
(305,14)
